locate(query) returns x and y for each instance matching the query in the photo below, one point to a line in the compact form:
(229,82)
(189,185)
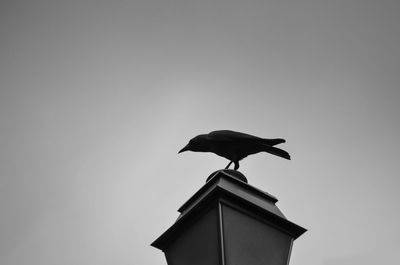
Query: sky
(97,97)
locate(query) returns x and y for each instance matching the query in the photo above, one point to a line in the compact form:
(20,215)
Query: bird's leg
(228,165)
(236,165)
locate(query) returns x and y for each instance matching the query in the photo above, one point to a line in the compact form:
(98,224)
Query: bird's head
(197,144)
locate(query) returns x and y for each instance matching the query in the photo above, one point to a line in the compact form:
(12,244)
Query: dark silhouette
(234,146)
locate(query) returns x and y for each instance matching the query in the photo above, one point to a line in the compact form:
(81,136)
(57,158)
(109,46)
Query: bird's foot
(236,165)
(228,165)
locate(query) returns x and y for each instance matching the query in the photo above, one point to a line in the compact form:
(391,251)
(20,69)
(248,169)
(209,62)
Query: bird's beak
(186,148)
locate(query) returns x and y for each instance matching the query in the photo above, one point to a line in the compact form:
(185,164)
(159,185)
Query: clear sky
(97,97)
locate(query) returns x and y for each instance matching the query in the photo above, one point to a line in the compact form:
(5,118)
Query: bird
(234,146)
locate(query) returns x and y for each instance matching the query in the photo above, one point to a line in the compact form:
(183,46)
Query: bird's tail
(272,142)
(276,151)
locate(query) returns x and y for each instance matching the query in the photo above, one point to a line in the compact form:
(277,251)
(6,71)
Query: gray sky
(97,97)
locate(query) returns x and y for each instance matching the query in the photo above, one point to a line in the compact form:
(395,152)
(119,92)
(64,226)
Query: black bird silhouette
(234,146)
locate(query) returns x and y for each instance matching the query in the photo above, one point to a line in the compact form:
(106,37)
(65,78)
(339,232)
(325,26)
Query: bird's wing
(232,136)
(272,142)
(229,136)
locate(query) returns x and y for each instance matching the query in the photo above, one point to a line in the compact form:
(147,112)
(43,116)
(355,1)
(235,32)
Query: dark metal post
(229,222)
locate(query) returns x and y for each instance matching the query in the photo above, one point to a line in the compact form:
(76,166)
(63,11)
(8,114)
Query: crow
(234,146)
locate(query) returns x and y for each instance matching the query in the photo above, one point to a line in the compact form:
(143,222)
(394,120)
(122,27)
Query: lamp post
(229,222)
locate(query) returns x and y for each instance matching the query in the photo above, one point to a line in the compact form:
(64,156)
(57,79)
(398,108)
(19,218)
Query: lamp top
(230,186)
